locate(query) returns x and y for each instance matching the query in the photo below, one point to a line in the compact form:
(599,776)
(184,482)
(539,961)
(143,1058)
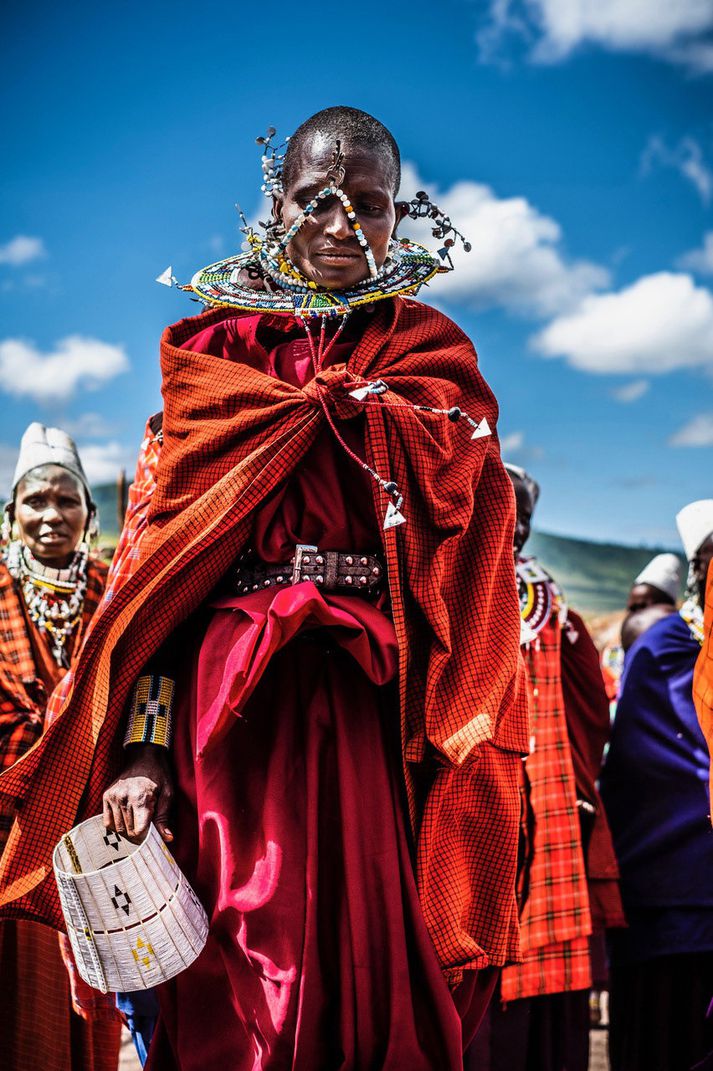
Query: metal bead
(279,580)
(349,560)
(364,561)
(376,571)
(348,579)
(319,560)
(363,581)
(319,579)
(306,559)
(266,583)
(256,587)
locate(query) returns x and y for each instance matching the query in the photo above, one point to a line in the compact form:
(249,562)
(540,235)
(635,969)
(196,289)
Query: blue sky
(571,140)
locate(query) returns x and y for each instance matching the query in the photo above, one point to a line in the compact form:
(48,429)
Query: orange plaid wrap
(703,675)
(231,435)
(23,697)
(556,921)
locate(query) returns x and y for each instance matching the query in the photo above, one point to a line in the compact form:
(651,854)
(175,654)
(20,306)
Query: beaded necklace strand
(54,597)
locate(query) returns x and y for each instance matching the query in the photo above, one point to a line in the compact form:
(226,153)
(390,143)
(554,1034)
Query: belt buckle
(300,551)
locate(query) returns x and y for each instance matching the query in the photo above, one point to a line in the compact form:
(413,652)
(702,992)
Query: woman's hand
(144,791)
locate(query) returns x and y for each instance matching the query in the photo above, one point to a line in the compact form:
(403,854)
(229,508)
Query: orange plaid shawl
(231,435)
(23,697)
(556,919)
(703,676)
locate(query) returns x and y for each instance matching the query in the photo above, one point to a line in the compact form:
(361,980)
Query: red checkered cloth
(23,696)
(703,676)
(231,435)
(556,922)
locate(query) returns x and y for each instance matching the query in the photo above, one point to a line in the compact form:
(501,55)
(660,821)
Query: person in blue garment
(655,790)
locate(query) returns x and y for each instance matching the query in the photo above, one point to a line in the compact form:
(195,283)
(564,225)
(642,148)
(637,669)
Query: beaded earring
(6,533)
(422,207)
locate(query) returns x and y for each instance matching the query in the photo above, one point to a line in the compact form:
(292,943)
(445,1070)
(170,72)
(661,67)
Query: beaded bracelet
(151,712)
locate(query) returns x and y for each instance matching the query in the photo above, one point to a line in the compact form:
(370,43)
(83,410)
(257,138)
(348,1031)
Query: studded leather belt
(331,570)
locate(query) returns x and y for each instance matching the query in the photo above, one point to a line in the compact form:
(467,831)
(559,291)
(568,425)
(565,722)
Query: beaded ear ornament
(264,278)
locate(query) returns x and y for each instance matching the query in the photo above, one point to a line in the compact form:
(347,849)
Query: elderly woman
(49,589)
(316,588)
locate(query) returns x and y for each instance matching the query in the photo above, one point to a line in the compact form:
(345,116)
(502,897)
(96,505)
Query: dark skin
(643,595)
(523,520)
(700,562)
(325,250)
(51,513)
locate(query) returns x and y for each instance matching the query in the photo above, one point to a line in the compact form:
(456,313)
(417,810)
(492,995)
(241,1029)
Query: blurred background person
(50,587)
(655,789)
(539,1019)
(652,596)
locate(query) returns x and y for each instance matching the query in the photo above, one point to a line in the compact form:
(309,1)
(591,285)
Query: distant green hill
(595,577)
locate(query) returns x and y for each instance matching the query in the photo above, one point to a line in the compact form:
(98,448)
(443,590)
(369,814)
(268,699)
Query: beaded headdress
(264,278)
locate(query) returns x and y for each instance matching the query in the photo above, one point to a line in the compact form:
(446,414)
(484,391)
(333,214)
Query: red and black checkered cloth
(231,435)
(556,921)
(23,696)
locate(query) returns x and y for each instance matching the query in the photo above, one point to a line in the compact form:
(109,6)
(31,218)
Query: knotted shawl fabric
(231,435)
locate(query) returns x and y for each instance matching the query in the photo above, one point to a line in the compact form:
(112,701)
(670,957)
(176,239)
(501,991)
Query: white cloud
(631,392)
(21,250)
(660,323)
(102,461)
(517,261)
(700,260)
(697,432)
(687,158)
(510,443)
(88,426)
(47,377)
(677,31)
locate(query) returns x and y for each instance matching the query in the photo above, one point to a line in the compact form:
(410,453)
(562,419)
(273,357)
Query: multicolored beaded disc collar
(227,283)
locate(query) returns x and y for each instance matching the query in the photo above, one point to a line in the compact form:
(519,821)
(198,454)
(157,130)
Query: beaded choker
(54,597)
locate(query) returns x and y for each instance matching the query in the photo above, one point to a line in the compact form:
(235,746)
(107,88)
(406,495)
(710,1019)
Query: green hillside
(595,577)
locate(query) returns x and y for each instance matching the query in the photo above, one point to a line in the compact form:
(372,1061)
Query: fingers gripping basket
(132,918)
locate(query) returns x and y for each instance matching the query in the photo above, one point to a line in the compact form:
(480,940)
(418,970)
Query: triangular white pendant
(166,277)
(360,393)
(481,430)
(394,517)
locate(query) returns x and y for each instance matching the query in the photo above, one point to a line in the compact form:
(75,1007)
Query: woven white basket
(132,918)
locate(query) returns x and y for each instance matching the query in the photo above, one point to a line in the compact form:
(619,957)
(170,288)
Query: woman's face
(325,249)
(51,514)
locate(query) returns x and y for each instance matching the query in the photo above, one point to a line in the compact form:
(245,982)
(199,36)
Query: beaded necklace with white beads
(54,597)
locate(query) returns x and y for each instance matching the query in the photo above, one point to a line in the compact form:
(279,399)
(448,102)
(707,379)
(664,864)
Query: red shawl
(231,435)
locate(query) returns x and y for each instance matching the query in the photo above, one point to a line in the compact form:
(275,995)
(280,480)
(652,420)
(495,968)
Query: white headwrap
(662,572)
(48,446)
(695,524)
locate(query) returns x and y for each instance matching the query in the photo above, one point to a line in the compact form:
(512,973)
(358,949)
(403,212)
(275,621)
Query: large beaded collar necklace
(54,597)
(264,279)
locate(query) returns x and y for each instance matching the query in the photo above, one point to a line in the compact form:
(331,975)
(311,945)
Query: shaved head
(351,127)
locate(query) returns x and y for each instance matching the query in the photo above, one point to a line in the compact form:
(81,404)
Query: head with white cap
(51,505)
(527,492)
(695,526)
(658,583)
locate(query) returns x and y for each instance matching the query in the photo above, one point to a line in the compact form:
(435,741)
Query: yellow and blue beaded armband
(151,712)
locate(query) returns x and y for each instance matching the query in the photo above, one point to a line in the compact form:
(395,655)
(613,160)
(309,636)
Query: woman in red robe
(349,708)
(50,588)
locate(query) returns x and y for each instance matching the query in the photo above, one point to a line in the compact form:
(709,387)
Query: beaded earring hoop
(422,207)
